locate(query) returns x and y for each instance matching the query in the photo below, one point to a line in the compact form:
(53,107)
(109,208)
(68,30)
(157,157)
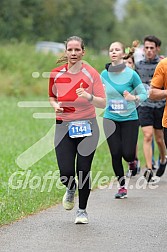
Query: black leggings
(122,144)
(75,155)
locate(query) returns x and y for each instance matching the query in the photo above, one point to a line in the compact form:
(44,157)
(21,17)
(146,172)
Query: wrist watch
(137,98)
(91,98)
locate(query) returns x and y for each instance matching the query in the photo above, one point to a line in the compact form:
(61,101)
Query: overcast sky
(119,9)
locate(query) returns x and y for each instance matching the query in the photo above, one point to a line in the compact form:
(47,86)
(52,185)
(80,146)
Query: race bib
(79,129)
(116,106)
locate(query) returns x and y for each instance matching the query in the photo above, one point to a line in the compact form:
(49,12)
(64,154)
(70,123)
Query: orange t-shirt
(159,80)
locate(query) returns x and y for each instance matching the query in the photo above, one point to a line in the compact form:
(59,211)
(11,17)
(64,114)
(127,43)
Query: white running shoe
(68,199)
(81,217)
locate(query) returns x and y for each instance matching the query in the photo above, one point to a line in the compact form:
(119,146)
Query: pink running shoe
(122,193)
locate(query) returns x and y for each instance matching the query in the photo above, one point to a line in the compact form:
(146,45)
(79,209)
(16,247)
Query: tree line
(95,21)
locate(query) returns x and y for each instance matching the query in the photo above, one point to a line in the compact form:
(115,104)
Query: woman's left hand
(128,96)
(82,93)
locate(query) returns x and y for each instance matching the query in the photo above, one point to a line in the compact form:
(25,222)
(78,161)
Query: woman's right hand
(57,107)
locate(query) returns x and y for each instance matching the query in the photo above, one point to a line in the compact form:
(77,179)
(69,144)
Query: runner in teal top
(118,85)
(124,92)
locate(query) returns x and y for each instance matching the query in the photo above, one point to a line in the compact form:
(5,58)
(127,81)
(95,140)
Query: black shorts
(151,117)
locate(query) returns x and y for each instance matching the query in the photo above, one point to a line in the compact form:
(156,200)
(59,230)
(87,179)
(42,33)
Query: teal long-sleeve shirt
(117,108)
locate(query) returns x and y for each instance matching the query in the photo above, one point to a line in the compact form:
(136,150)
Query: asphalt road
(138,223)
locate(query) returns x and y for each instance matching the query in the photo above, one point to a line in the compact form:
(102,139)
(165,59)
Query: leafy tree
(144,17)
(94,21)
(57,19)
(10,18)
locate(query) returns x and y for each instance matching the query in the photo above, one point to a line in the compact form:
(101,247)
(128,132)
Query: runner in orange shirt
(158,91)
